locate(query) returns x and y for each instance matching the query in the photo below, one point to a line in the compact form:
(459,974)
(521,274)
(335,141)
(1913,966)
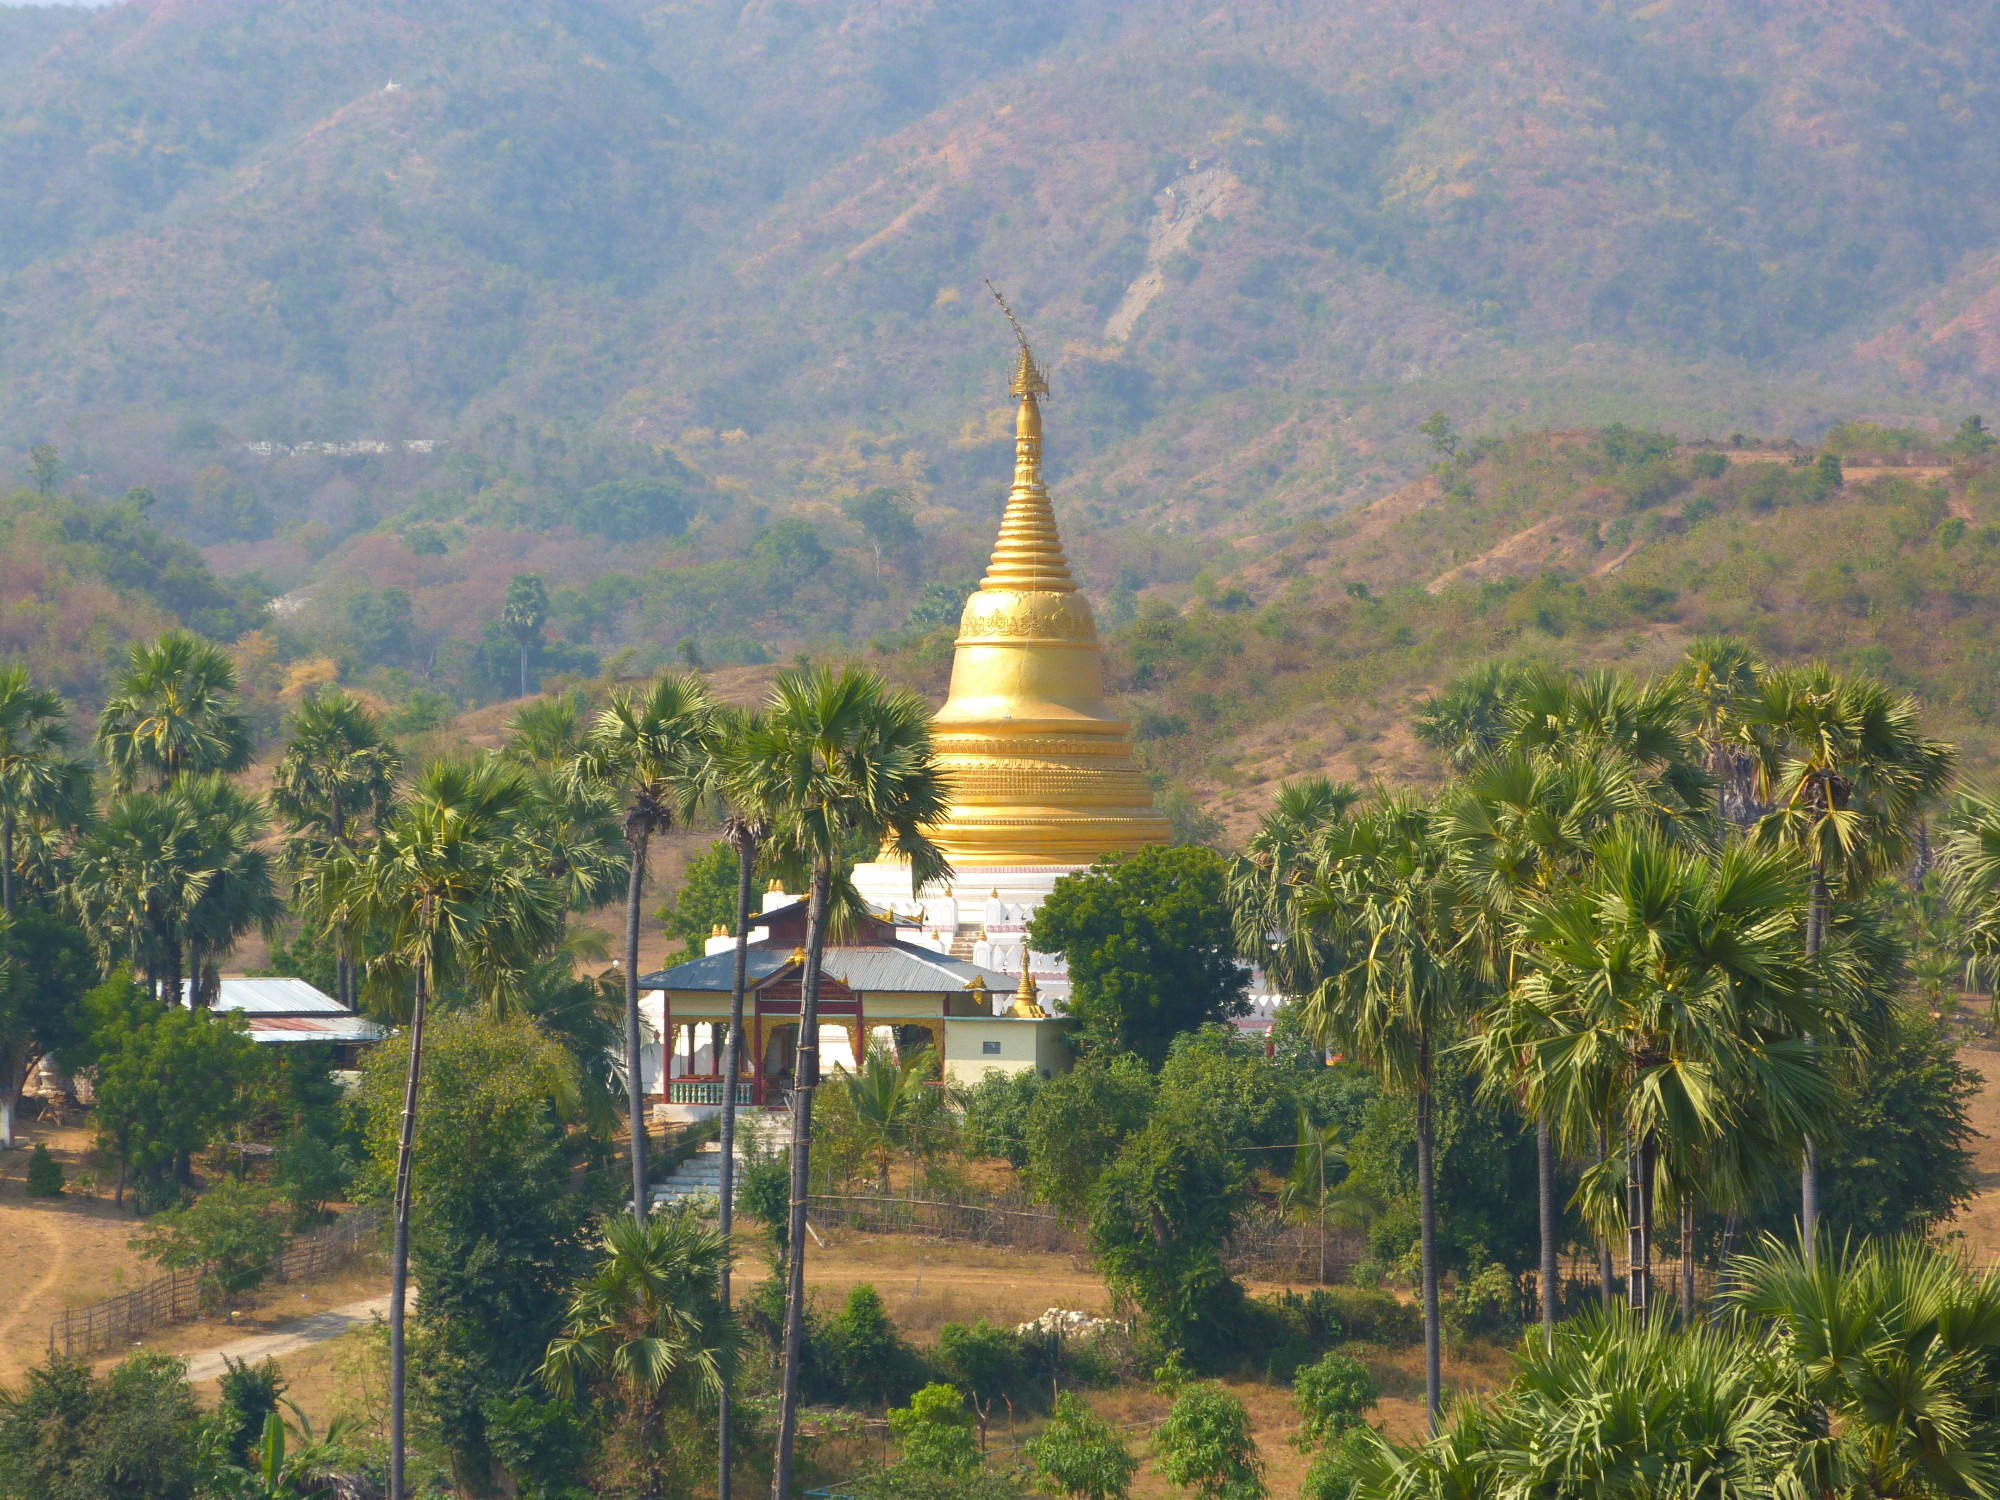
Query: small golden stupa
(1041,771)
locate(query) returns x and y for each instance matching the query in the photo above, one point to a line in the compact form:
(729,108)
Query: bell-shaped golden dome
(1041,771)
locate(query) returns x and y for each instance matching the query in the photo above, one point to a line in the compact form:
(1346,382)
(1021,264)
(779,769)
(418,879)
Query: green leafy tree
(173,709)
(133,1433)
(45,469)
(452,903)
(996,1114)
(1205,1446)
(1331,1397)
(1159,1217)
(1972,440)
(705,901)
(935,1430)
(1078,1122)
(656,745)
(47,969)
(648,1329)
(885,521)
(1080,1456)
(233,1229)
(1443,436)
(523,613)
(168,1080)
(247,1395)
(982,1360)
(840,760)
(495,1237)
(1150,947)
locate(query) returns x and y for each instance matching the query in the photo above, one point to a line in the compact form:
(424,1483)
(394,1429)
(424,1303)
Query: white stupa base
(982,912)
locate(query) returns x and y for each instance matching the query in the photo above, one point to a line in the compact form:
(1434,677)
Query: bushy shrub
(1337,1467)
(863,1354)
(996,1114)
(232,1229)
(1204,1445)
(1080,1456)
(1486,1304)
(45,1173)
(935,1430)
(1330,1397)
(764,1191)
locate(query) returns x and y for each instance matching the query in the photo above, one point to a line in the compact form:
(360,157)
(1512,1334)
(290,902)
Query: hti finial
(1028,377)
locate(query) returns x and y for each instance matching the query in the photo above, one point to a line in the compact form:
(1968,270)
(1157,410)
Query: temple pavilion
(1043,784)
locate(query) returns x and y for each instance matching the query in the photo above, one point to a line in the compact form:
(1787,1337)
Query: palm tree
(241,892)
(648,1323)
(36,771)
(887,1099)
(1306,1187)
(1970,864)
(550,734)
(1666,1001)
(1467,719)
(1266,878)
(446,888)
(174,711)
(1896,1342)
(745,829)
(337,769)
(1718,679)
(656,744)
(523,613)
(1389,916)
(1525,823)
(139,874)
(841,760)
(1847,770)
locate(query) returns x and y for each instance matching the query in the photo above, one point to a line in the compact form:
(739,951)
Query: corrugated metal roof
(340,1028)
(273,997)
(890,966)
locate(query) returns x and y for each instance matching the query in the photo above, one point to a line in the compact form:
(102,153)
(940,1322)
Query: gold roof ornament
(1027,999)
(1041,770)
(799,957)
(776,888)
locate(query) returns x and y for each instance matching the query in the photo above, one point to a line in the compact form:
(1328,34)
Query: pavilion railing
(705,1091)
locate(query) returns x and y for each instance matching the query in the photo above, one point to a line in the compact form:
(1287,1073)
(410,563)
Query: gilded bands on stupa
(1041,770)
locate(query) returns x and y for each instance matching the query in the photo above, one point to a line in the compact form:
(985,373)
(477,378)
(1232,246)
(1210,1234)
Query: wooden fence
(180,1296)
(1264,1245)
(1001,1220)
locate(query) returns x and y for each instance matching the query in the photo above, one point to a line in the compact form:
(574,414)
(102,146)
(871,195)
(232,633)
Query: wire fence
(181,1296)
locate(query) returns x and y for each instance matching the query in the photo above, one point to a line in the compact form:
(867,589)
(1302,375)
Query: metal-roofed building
(291,1011)
(874,989)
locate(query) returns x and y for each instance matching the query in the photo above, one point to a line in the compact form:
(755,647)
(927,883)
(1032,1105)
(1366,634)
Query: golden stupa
(1041,771)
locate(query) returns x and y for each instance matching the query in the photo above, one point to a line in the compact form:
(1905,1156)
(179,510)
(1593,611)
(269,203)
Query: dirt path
(289,1338)
(1979,1220)
(49,1250)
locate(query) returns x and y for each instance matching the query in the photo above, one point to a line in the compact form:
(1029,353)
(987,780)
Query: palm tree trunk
(172,976)
(7,861)
(1427,1212)
(399,1254)
(746,863)
(1638,1230)
(524,666)
(1322,1208)
(1545,1192)
(805,1074)
(1729,1230)
(1816,915)
(1607,1271)
(1687,1259)
(635,1086)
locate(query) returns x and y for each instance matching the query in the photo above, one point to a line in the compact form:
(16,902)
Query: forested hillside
(680,307)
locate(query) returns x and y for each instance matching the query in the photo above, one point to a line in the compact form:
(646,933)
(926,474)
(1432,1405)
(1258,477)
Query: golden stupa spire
(1040,768)
(1029,552)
